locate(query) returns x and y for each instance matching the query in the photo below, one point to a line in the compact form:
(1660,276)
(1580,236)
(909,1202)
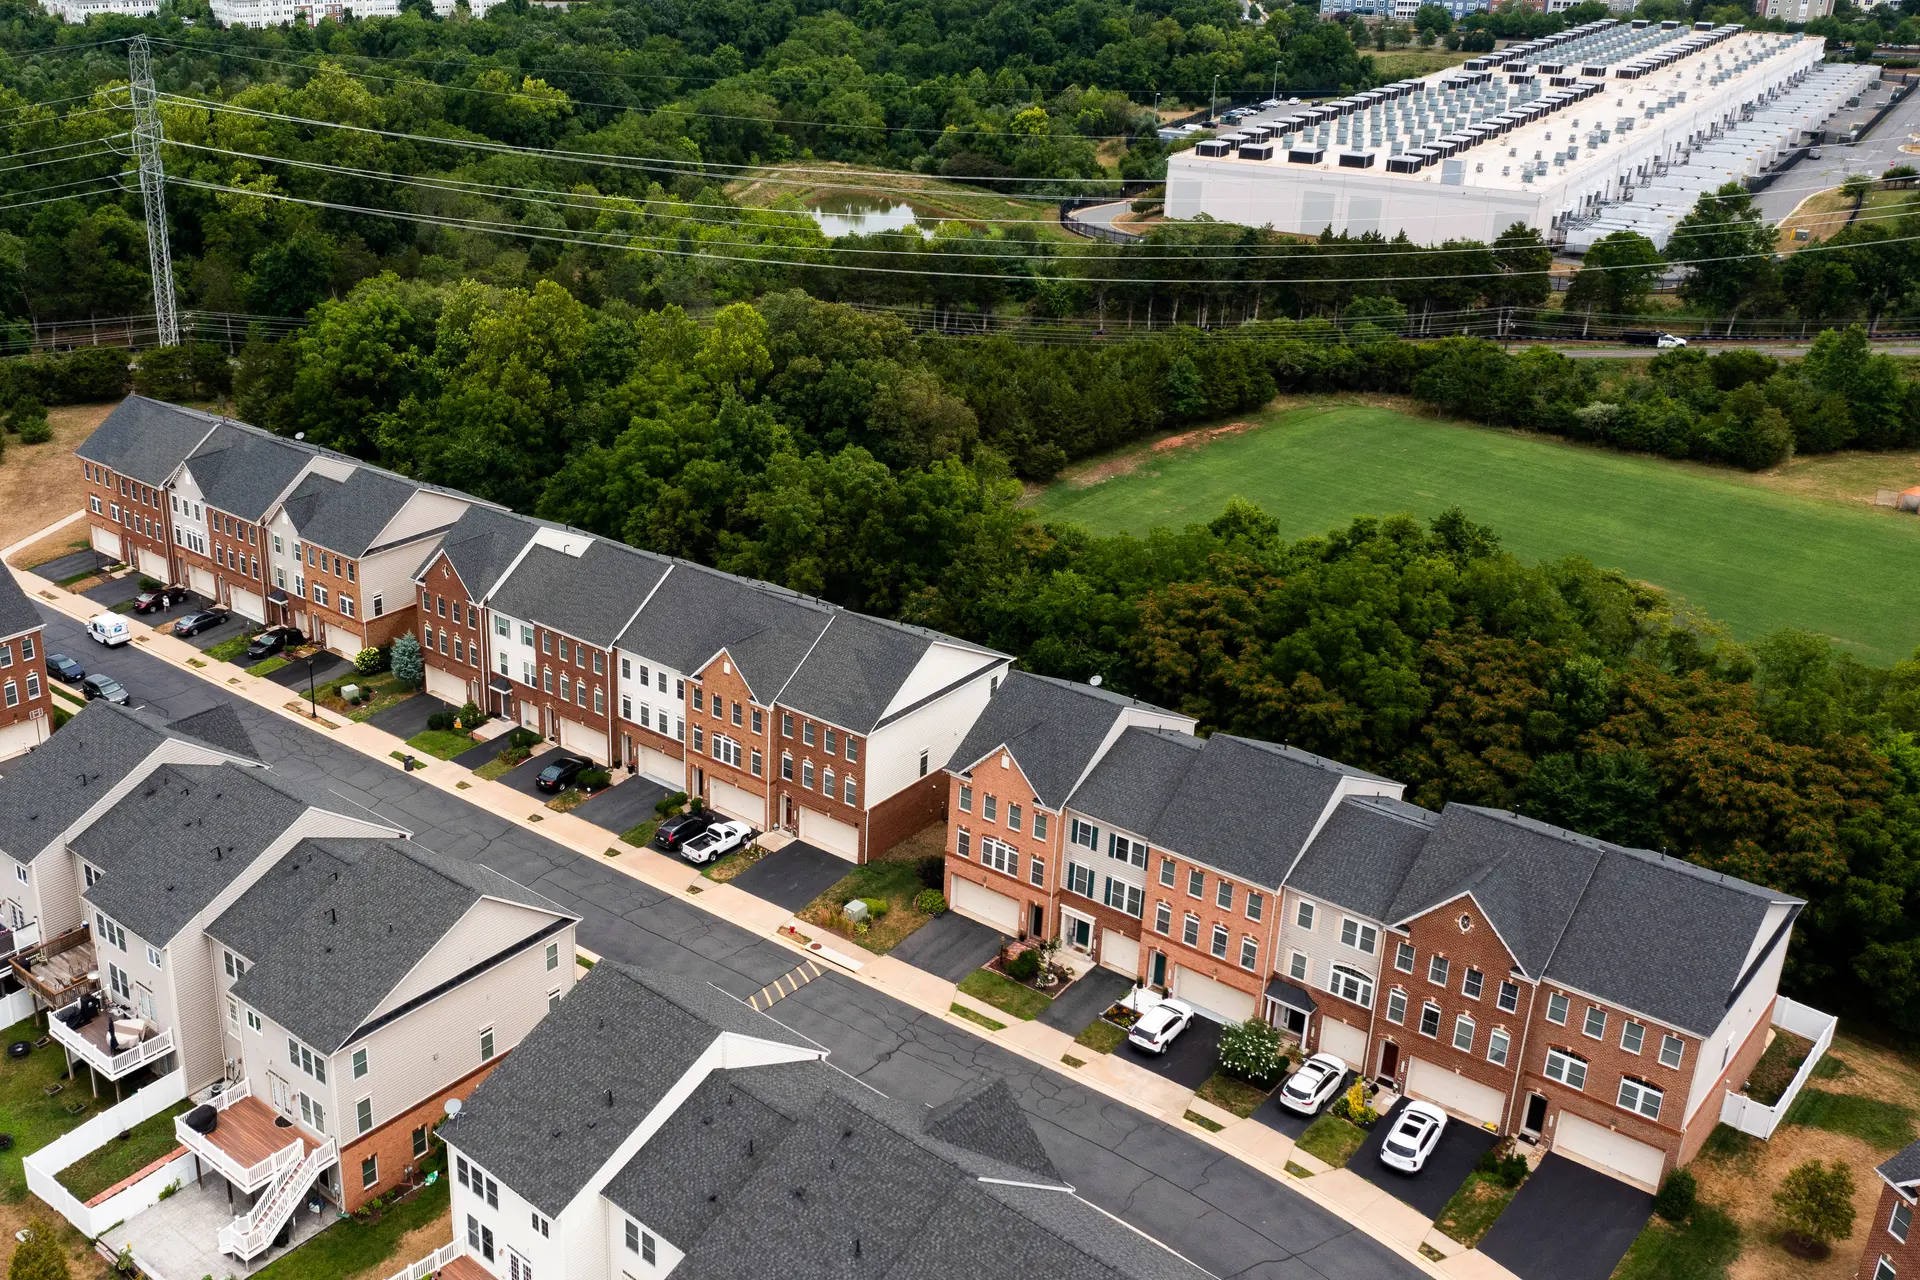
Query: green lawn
(267,666)
(1005,994)
(121,1158)
(28,1113)
(1750,556)
(1473,1208)
(1332,1139)
(1886,1125)
(1101,1036)
(1237,1096)
(1701,1249)
(352,1246)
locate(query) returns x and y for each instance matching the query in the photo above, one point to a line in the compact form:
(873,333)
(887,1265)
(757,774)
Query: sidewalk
(1387,1220)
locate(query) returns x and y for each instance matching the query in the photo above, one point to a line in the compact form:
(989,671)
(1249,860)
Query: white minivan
(110,629)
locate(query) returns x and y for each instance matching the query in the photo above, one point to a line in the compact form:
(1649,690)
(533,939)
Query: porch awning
(1288,994)
(499,684)
(277,596)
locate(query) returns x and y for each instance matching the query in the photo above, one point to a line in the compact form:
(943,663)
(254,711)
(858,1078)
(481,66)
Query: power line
(148,134)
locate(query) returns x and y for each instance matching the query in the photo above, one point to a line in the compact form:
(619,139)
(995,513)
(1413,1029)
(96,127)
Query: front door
(1389,1060)
(1079,932)
(1157,970)
(1536,1117)
(1037,921)
(1296,1023)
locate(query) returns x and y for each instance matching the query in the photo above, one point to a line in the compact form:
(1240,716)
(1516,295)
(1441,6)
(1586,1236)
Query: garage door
(830,834)
(1456,1093)
(662,767)
(152,563)
(107,542)
(1345,1042)
(446,686)
(739,803)
(249,605)
(529,716)
(1119,952)
(1615,1152)
(1216,1000)
(201,580)
(977,902)
(585,739)
(346,644)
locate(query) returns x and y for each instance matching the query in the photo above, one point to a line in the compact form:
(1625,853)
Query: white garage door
(249,605)
(1119,952)
(588,741)
(152,563)
(977,902)
(1618,1154)
(662,767)
(107,542)
(831,834)
(201,580)
(737,802)
(344,643)
(529,715)
(1347,1043)
(446,686)
(1456,1093)
(24,736)
(1216,1000)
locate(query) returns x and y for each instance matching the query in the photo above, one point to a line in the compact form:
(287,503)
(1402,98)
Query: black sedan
(160,599)
(104,686)
(273,641)
(677,830)
(562,772)
(65,669)
(202,620)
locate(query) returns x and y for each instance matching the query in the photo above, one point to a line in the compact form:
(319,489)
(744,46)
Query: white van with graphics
(110,629)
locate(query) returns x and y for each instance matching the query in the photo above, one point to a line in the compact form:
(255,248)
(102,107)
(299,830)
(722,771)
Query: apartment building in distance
(1527,978)
(26,701)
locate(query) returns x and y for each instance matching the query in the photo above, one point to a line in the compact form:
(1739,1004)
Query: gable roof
(347,515)
(257,918)
(218,726)
(45,791)
(365,929)
(1052,727)
(1362,855)
(590,596)
(549,1117)
(147,439)
(1903,1168)
(851,676)
(697,612)
(481,545)
(17,613)
(243,470)
(174,842)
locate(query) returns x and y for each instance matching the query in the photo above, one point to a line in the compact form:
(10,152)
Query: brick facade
(1208,914)
(916,806)
(721,714)
(1902,1255)
(452,627)
(573,682)
(392,1144)
(335,604)
(816,750)
(965,816)
(233,556)
(26,698)
(136,513)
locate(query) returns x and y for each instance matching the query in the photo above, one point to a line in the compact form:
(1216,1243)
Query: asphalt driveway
(1091,995)
(404,719)
(87,561)
(950,947)
(521,776)
(114,590)
(235,625)
(794,876)
(623,806)
(1460,1147)
(474,757)
(326,666)
(1292,1123)
(1567,1222)
(1188,1061)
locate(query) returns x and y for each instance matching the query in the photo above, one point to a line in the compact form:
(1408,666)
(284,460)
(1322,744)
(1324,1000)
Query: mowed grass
(1749,556)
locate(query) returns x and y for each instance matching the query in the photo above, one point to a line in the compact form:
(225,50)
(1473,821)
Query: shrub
(409,665)
(440,721)
(877,907)
(697,804)
(1250,1050)
(593,779)
(512,755)
(1815,1201)
(668,805)
(40,1256)
(930,902)
(1677,1197)
(1503,1166)
(1024,967)
(1356,1107)
(28,419)
(150,584)
(368,662)
(933,871)
(471,714)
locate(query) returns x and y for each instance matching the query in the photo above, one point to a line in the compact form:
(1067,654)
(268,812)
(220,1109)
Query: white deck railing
(251,1234)
(1748,1116)
(431,1263)
(244,1177)
(113,1066)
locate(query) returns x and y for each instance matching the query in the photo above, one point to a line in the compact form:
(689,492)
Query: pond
(853,214)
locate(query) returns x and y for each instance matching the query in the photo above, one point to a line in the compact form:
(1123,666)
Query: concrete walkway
(1373,1212)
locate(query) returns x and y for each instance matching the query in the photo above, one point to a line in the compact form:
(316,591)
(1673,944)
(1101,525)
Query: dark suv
(676,831)
(273,641)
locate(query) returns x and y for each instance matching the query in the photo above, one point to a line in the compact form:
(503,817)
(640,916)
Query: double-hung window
(1256,905)
(1223,895)
(1437,967)
(1596,1023)
(1670,1051)
(1361,937)
(1567,1069)
(1003,858)
(1901,1222)
(1557,1009)
(1403,956)
(1430,1021)
(1396,1006)
(1632,1036)
(1190,930)
(1084,834)
(1080,879)
(1249,952)
(1641,1098)
(1196,882)
(1219,947)
(1124,849)
(1508,1000)
(1463,1033)
(1472,983)
(1122,896)
(1303,915)
(1162,917)
(1497,1045)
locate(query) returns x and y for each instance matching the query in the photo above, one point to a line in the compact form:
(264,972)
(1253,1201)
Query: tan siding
(488,927)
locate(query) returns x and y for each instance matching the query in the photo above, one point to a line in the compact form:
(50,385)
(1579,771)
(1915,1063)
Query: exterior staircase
(252,1233)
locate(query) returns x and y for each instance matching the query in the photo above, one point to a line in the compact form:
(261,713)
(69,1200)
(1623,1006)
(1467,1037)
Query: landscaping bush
(440,721)
(1677,1197)
(876,907)
(1815,1201)
(369,662)
(40,1256)
(150,584)
(930,902)
(933,871)
(1250,1050)
(593,779)
(1355,1107)
(28,419)
(471,715)
(667,806)
(1504,1166)
(1024,967)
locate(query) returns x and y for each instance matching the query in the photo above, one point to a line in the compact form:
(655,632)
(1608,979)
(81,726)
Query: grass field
(1751,556)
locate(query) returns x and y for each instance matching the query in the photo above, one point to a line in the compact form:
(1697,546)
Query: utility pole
(147,137)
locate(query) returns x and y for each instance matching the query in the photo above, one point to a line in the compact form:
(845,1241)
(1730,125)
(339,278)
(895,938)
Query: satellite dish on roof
(1094,681)
(453,1106)
(299,435)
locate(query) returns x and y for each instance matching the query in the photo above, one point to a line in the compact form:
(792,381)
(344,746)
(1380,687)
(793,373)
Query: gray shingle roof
(363,932)
(1053,727)
(256,920)
(17,613)
(175,841)
(1242,806)
(347,515)
(988,1120)
(482,543)
(1363,853)
(46,791)
(697,612)
(218,726)
(242,470)
(590,597)
(552,1114)
(147,439)
(853,673)
(1903,1169)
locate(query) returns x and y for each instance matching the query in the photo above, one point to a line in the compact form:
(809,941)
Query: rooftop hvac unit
(1453,173)
(1256,151)
(1213,149)
(1306,155)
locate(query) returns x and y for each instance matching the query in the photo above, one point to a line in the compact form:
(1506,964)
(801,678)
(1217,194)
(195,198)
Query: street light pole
(1213,101)
(313,708)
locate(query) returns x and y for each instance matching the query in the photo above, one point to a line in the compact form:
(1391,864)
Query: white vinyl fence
(1748,1116)
(48,1161)
(431,1263)
(17,1007)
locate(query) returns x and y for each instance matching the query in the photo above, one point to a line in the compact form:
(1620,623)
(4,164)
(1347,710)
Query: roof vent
(609,1097)
(333,917)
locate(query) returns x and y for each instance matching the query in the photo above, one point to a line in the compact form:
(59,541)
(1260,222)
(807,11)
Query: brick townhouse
(219,502)
(26,701)
(1892,1249)
(129,463)
(457,578)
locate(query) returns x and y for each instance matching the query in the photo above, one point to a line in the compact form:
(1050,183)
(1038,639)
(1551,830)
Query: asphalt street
(1218,1212)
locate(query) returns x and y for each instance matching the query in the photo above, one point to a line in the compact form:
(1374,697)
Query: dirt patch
(1870,1072)
(1203,435)
(1743,1185)
(414,1245)
(86,1264)
(39,483)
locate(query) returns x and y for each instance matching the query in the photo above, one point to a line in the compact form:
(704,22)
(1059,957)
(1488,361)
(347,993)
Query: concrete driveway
(950,947)
(1460,1148)
(1188,1061)
(794,876)
(1567,1222)
(623,806)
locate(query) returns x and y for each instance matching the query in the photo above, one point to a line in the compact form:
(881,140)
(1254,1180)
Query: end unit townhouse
(453,585)
(26,702)
(656,1127)
(129,463)
(1892,1248)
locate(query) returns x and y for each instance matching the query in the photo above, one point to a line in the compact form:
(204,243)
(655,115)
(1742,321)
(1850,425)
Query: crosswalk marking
(784,985)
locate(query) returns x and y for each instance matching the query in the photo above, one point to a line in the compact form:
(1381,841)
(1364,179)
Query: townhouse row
(323,980)
(26,699)
(1527,978)
(779,709)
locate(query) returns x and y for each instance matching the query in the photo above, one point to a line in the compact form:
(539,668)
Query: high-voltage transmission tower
(147,137)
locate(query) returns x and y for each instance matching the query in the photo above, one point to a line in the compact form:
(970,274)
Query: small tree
(1250,1050)
(40,1256)
(1677,1196)
(367,662)
(409,665)
(1815,1201)
(1857,188)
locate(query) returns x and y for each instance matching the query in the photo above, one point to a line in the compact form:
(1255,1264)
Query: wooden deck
(248,1134)
(465,1268)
